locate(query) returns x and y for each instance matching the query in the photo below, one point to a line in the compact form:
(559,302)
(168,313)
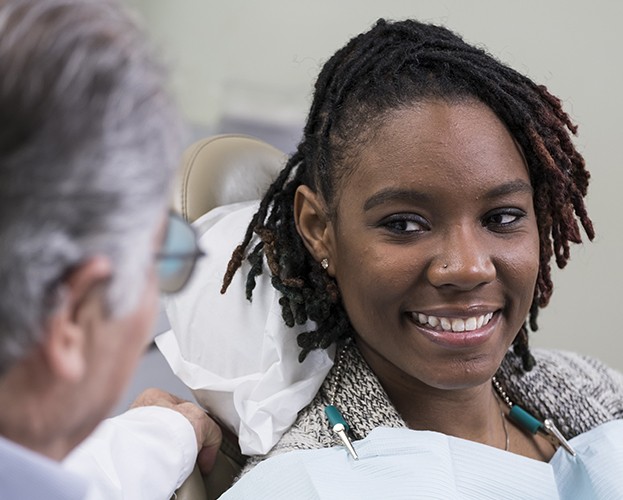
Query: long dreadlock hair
(394,65)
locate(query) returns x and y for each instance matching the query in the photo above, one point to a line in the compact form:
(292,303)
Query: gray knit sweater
(576,392)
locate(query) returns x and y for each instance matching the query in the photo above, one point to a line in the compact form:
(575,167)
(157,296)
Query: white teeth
(471,324)
(458,325)
(454,324)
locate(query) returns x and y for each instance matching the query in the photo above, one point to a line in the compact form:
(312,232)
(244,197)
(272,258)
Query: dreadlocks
(394,65)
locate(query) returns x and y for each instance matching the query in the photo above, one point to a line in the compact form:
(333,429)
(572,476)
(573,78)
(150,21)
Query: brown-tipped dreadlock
(392,66)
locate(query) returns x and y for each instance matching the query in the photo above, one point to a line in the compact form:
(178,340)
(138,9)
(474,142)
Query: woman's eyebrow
(512,187)
(394,194)
(411,195)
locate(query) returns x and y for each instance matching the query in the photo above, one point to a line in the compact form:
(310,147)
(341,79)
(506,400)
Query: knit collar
(359,394)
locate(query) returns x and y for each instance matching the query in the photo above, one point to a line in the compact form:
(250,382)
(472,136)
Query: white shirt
(145,453)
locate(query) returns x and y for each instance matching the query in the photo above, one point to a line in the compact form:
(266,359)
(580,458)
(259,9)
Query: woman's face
(435,246)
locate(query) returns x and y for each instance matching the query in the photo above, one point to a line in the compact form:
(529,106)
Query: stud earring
(324,263)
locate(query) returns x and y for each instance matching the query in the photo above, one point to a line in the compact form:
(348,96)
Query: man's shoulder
(27,474)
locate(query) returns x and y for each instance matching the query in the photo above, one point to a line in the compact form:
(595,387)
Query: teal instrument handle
(335,417)
(526,421)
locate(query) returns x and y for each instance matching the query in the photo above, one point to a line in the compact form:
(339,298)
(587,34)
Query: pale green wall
(272,50)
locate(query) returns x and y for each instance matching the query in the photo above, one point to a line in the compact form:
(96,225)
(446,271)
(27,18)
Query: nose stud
(445,266)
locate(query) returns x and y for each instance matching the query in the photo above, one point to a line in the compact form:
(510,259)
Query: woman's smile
(456,332)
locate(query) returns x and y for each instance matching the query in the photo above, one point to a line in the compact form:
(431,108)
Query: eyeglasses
(178,255)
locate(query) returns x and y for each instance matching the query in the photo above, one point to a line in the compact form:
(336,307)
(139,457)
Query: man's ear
(79,307)
(313,224)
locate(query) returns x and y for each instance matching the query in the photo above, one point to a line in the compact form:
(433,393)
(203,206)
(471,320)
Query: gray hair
(88,144)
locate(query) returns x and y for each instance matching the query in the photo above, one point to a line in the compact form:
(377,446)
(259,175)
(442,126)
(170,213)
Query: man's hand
(207,431)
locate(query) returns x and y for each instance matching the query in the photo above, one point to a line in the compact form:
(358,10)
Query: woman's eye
(405,224)
(504,219)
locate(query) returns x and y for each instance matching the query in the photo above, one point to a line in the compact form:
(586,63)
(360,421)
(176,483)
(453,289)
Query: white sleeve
(143,454)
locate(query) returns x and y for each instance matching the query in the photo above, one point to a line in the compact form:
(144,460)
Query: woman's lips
(457,332)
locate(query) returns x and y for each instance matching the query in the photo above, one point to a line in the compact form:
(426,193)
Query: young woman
(415,225)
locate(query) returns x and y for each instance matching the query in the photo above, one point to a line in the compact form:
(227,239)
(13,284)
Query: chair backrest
(217,171)
(224,169)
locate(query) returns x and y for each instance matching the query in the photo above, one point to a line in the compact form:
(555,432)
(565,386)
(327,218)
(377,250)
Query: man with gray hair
(88,145)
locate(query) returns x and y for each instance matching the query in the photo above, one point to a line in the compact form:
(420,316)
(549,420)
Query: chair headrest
(224,169)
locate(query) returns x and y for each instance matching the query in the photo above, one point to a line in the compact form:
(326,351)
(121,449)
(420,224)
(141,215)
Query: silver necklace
(507,445)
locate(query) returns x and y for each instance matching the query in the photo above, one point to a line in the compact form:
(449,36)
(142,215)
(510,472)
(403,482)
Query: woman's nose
(464,262)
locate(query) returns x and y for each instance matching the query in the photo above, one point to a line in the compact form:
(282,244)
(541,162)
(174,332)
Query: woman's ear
(80,307)
(313,224)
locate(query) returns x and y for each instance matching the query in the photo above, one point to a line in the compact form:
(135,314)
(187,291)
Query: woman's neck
(472,412)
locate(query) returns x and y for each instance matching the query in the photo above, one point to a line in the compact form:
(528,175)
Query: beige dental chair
(217,171)
(224,169)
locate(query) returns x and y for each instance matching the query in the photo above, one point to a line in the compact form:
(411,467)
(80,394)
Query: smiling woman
(415,225)
(452,240)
